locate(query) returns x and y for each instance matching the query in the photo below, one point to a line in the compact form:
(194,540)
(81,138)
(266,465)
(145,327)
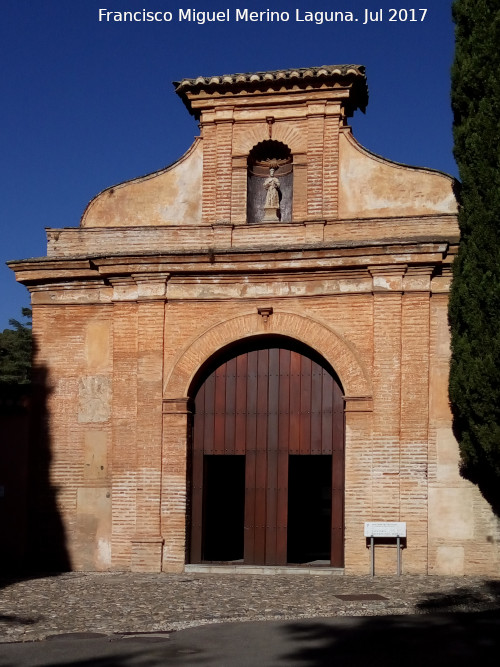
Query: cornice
(283,81)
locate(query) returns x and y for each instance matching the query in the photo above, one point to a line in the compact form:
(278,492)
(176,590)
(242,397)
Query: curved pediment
(165,197)
(371,186)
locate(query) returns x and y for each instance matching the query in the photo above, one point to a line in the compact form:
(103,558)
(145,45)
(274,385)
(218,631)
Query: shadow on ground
(445,639)
(455,629)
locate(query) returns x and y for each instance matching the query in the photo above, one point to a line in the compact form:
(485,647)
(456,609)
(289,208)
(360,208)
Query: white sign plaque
(385,529)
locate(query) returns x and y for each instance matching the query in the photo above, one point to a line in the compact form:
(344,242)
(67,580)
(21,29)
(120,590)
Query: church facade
(245,354)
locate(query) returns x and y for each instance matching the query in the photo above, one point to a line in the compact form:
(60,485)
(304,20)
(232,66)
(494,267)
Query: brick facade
(164,272)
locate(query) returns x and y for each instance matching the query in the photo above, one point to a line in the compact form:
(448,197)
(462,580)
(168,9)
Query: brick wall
(129,308)
(118,381)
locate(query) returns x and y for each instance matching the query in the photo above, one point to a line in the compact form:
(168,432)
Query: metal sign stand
(380,529)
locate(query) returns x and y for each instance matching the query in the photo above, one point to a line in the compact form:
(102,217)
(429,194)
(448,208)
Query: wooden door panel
(196,506)
(282,508)
(305,405)
(316,409)
(327,399)
(284,401)
(208,408)
(295,386)
(240,427)
(250,491)
(230,409)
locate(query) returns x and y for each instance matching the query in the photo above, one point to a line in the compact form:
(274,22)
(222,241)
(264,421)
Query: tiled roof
(255,81)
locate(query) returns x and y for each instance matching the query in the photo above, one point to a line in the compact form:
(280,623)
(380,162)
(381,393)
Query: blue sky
(87,104)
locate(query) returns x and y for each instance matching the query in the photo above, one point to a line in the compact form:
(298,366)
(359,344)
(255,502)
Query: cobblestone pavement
(109,603)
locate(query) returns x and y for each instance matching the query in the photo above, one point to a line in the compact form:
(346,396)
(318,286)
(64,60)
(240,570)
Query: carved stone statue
(272,203)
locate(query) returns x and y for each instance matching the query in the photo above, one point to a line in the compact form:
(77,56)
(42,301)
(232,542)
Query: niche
(270,183)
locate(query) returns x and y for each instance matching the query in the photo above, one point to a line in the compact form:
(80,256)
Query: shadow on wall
(32,536)
(458,629)
(14,441)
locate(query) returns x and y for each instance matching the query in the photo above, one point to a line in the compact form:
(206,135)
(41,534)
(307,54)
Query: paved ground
(114,604)
(444,640)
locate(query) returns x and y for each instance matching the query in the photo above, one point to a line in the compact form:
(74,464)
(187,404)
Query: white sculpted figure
(272,186)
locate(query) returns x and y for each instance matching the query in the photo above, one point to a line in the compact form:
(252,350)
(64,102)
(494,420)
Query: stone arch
(341,355)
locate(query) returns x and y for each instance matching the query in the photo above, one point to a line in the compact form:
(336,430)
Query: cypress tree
(475,294)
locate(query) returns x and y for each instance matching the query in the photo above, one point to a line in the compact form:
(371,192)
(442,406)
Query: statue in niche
(269,183)
(272,203)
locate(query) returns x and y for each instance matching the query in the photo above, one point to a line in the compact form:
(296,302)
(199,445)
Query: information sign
(385,529)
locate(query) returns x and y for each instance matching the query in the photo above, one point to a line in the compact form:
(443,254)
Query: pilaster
(414,412)
(147,542)
(331,161)
(224,137)
(239,189)
(387,297)
(176,428)
(209,183)
(358,480)
(124,411)
(299,208)
(315,148)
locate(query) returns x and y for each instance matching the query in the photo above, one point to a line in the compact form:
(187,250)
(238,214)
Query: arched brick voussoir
(291,136)
(246,138)
(342,355)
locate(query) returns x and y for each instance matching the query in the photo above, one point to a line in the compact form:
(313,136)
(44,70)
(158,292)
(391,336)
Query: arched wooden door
(267,460)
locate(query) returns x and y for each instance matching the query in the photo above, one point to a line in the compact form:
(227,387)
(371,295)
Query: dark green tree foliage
(15,351)
(475,295)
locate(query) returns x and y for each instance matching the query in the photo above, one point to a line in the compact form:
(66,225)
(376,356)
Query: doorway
(267,458)
(309,509)
(224,508)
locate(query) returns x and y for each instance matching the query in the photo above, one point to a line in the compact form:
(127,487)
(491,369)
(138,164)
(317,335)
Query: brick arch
(295,140)
(333,347)
(282,131)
